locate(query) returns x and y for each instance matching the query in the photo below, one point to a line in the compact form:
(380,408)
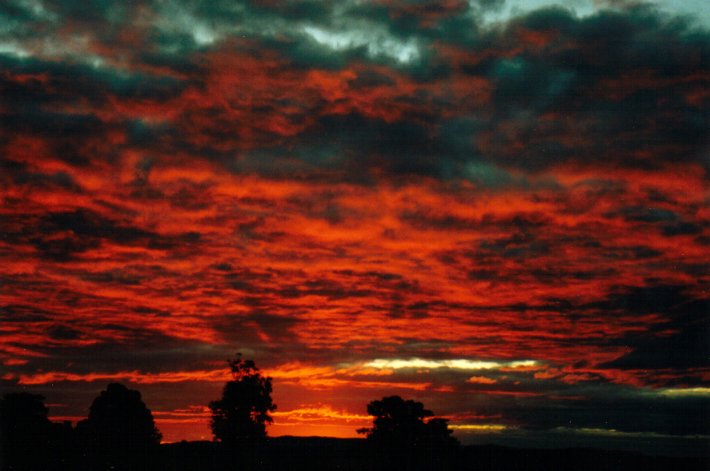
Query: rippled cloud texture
(496,208)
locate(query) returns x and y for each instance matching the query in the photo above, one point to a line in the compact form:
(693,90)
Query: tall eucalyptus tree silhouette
(241,415)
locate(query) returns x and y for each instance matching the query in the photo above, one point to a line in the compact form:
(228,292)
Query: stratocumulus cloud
(499,211)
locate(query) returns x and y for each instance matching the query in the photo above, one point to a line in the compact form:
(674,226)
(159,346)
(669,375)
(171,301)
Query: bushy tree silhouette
(242,413)
(120,428)
(400,423)
(406,436)
(25,432)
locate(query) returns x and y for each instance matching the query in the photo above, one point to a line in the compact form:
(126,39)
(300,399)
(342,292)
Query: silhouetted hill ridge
(324,453)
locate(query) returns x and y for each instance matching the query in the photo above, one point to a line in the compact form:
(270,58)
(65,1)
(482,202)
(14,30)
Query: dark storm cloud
(246,279)
(22,313)
(29,82)
(517,246)
(677,342)
(687,347)
(681,228)
(671,300)
(615,410)
(22,175)
(18,11)
(561,87)
(625,77)
(644,214)
(63,235)
(362,145)
(548,82)
(340,285)
(84,223)
(256,328)
(328,289)
(42,104)
(136,348)
(554,103)
(66,134)
(61,332)
(522,399)
(680,342)
(670,223)
(634,252)
(422,219)
(129,275)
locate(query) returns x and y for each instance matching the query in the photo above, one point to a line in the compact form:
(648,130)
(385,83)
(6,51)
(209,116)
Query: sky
(496,208)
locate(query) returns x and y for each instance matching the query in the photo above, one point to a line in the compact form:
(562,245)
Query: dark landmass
(324,454)
(120,435)
(316,453)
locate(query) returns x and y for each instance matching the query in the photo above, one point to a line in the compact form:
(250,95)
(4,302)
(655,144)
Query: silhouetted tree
(405,436)
(120,428)
(25,432)
(242,413)
(401,424)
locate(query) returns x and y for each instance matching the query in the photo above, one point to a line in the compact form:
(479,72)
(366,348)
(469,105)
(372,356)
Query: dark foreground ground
(290,453)
(325,454)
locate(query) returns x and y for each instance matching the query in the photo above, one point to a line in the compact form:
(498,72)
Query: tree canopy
(243,412)
(22,413)
(24,430)
(400,423)
(118,418)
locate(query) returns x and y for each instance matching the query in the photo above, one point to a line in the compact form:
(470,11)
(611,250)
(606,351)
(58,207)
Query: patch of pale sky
(182,21)
(75,48)
(38,9)
(376,42)
(696,9)
(13,49)
(203,35)
(459,364)
(678,392)
(621,434)
(480,428)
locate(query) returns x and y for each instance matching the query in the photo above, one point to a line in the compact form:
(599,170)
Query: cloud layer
(500,213)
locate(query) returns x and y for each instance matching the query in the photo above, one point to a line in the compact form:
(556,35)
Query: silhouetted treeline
(30,442)
(119,434)
(404,435)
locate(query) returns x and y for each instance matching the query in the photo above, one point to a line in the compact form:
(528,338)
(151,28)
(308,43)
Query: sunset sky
(497,208)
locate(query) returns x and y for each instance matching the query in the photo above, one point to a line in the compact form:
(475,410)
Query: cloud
(64,235)
(454,363)
(481,380)
(679,392)
(367,198)
(468,122)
